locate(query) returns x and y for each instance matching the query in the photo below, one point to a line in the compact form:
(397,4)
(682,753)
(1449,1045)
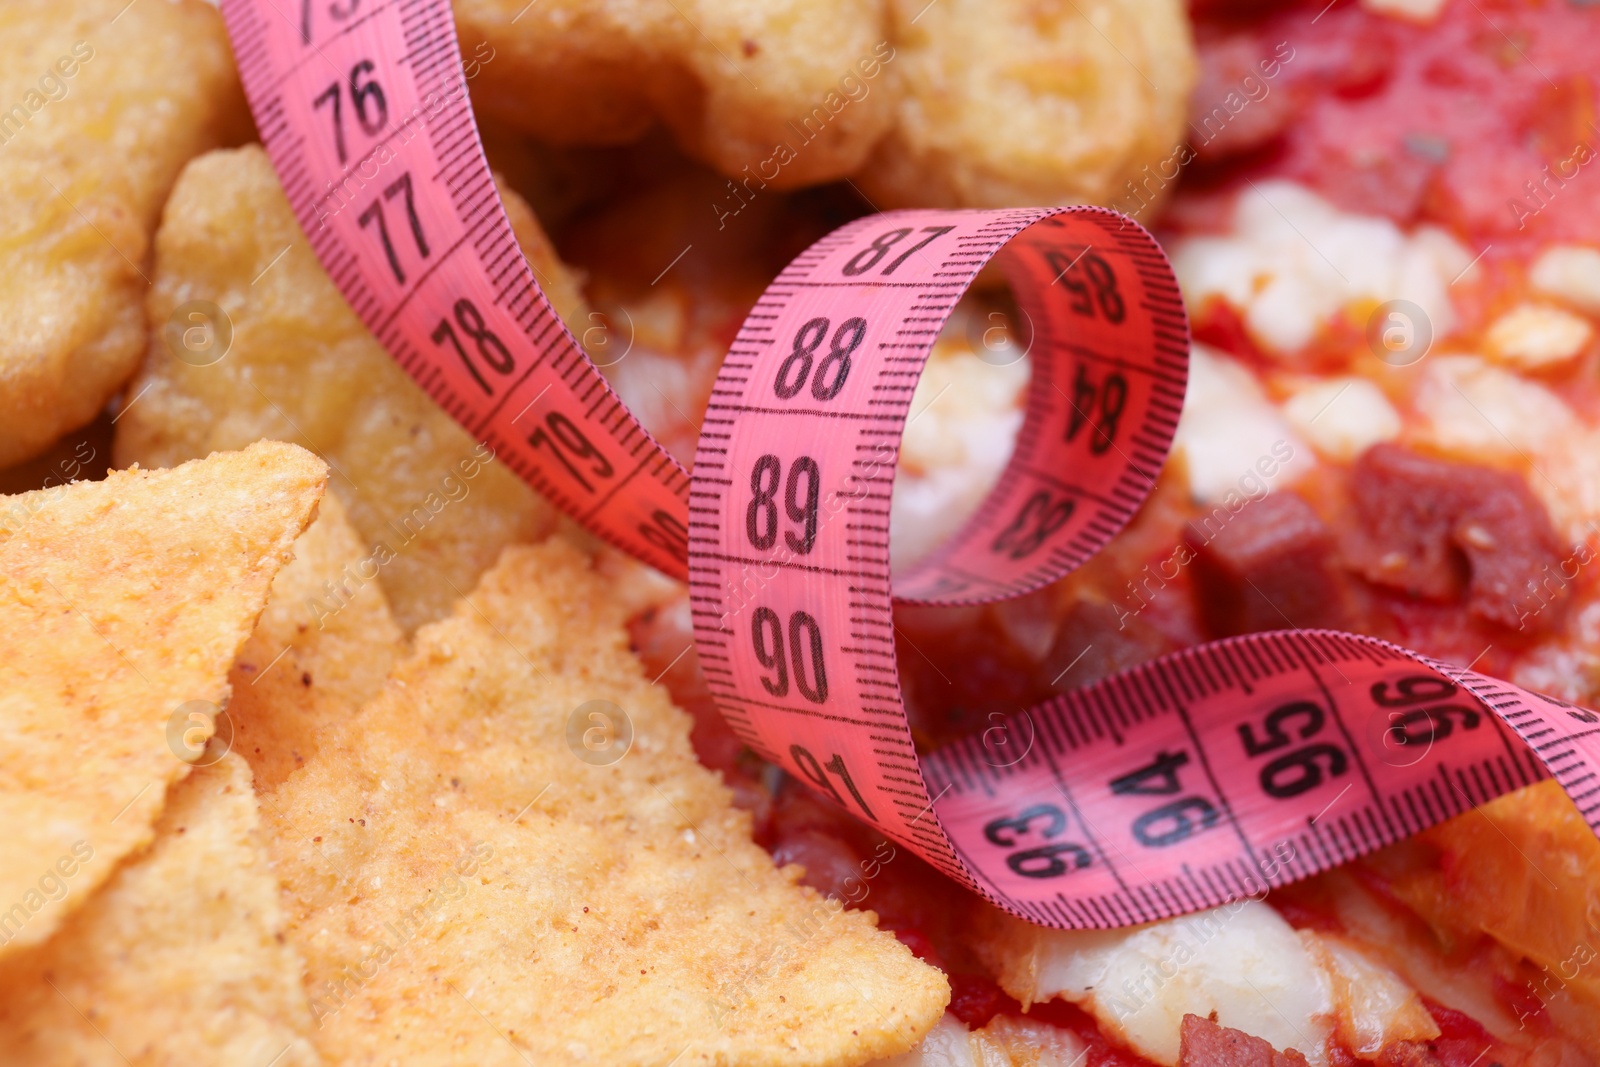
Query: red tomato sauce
(1483,121)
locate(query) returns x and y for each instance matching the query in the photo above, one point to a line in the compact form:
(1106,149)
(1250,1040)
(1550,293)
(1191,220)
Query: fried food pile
(328,741)
(408,847)
(341,802)
(465,884)
(121,602)
(142,920)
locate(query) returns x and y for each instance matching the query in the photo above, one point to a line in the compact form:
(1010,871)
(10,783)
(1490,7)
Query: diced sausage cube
(1448,531)
(1271,566)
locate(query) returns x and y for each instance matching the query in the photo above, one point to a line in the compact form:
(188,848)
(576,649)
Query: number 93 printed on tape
(1195,779)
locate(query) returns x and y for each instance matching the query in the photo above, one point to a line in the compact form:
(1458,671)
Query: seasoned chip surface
(95,124)
(733,79)
(1030,102)
(322,647)
(178,959)
(303,368)
(120,601)
(465,888)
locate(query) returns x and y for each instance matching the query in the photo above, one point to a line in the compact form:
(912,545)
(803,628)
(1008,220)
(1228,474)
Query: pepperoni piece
(1270,567)
(1450,531)
(1202,1043)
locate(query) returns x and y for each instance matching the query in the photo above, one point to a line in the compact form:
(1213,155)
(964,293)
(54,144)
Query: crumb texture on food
(962,103)
(93,131)
(732,79)
(1026,102)
(120,602)
(322,647)
(433,505)
(178,959)
(463,885)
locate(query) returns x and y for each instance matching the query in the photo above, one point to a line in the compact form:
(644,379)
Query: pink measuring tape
(1199,778)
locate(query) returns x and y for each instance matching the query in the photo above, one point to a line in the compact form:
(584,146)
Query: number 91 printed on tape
(1195,779)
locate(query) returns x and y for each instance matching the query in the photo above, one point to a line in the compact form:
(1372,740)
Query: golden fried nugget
(321,649)
(789,92)
(178,959)
(423,495)
(121,602)
(1032,101)
(101,103)
(473,879)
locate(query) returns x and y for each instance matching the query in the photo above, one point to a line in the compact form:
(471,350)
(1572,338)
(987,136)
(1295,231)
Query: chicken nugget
(122,603)
(1033,102)
(785,93)
(178,959)
(431,505)
(512,856)
(95,124)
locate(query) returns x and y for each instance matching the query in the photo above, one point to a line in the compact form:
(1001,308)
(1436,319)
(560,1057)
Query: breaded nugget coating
(179,959)
(733,79)
(101,104)
(1011,102)
(427,500)
(466,889)
(122,604)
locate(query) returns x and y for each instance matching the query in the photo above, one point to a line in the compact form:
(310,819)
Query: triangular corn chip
(178,959)
(321,649)
(122,603)
(471,882)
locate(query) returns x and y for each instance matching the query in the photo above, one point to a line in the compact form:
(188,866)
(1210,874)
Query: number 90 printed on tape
(1195,779)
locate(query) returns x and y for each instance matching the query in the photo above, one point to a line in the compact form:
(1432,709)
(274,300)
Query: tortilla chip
(467,889)
(97,124)
(302,368)
(178,959)
(321,649)
(121,601)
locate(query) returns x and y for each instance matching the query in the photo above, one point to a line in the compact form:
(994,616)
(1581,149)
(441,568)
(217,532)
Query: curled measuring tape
(1198,778)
